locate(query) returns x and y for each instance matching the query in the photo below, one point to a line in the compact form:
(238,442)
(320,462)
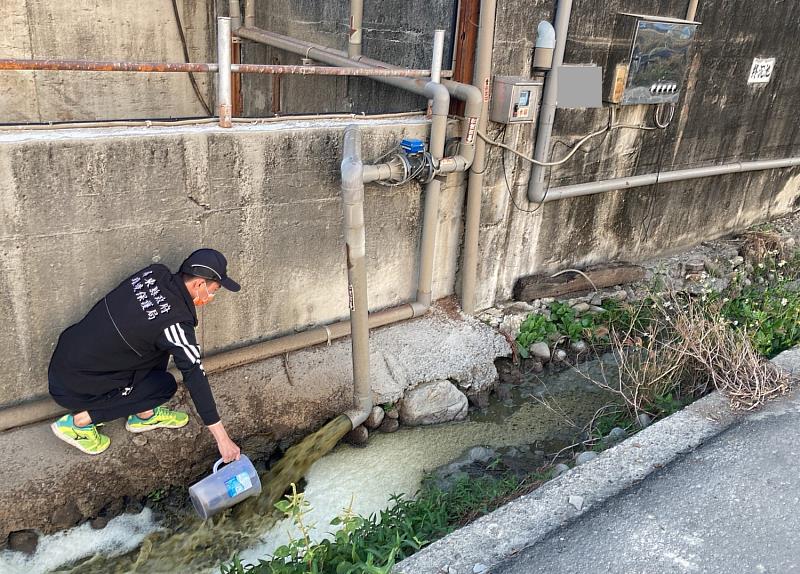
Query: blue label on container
(238,484)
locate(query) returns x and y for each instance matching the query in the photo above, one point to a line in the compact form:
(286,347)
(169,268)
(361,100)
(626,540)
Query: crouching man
(113,363)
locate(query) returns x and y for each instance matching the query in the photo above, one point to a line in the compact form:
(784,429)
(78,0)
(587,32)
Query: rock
(736,261)
(139,440)
(620,295)
(578,347)
(713,268)
(133,506)
(375,418)
(433,402)
(66,516)
(98,523)
(694,266)
(358,436)
(24,541)
(581,308)
(392,413)
(747,282)
(519,307)
(479,568)
(585,457)
(576,501)
(540,351)
(596,300)
(644,420)
(595,309)
(389,425)
(537,367)
(510,325)
(559,355)
(560,469)
(480,454)
(615,435)
(479,400)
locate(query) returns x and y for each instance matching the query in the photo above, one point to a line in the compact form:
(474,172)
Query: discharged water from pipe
(390,464)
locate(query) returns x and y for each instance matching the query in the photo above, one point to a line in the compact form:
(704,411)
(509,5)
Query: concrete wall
(133,30)
(81,210)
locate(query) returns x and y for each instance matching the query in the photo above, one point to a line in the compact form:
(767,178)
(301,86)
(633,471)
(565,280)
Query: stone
(139,440)
(560,469)
(392,413)
(433,402)
(576,501)
(375,418)
(98,523)
(595,309)
(537,367)
(585,457)
(615,435)
(559,355)
(581,308)
(479,568)
(479,400)
(480,454)
(578,347)
(596,300)
(736,261)
(694,266)
(519,307)
(24,541)
(540,351)
(619,295)
(643,420)
(389,425)
(713,268)
(66,515)
(358,436)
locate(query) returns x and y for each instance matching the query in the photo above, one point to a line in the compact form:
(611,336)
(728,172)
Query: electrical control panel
(648,59)
(515,99)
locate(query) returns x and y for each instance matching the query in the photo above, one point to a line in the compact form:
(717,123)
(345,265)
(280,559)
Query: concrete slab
(48,486)
(521,523)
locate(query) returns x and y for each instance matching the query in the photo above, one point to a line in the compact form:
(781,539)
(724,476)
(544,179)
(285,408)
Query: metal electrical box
(648,59)
(515,99)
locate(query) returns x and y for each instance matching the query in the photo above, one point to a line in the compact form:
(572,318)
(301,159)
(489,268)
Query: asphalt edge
(526,520)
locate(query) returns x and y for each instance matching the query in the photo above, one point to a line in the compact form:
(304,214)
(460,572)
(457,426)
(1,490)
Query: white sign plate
(761,70)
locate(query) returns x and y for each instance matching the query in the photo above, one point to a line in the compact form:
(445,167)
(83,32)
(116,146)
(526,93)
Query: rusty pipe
(104,66)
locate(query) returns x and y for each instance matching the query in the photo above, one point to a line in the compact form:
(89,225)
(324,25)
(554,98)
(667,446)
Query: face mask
(200,301)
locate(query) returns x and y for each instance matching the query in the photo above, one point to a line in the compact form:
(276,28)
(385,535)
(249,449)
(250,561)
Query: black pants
(156,388)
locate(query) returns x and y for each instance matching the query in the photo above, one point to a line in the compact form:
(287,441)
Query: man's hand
(228,449)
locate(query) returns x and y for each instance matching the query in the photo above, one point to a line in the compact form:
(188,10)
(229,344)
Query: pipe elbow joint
(440,96)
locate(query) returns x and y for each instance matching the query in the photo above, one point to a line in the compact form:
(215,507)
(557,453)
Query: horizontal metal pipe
(104,66)
(591,188)
(44,408)
(101,66)
(327,71)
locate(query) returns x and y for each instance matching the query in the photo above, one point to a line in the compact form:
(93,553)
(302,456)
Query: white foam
(122,534)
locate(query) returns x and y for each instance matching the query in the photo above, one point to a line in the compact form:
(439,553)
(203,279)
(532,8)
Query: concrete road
(731,506)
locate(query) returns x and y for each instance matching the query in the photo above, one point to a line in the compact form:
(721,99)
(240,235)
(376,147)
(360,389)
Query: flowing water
(364,477)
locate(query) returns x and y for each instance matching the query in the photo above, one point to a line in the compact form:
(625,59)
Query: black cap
(209,264)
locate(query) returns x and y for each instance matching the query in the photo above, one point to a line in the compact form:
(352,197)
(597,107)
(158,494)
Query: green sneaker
(162,418)
(87,438)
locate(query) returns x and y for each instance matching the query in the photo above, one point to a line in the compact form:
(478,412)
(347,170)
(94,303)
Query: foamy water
(121,534)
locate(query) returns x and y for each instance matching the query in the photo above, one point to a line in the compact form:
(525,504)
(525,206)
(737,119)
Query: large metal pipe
(593,187)
(235,13)
(352,170)
(483,67)
(356,18)
(547,110)
(224,93)
(250,13)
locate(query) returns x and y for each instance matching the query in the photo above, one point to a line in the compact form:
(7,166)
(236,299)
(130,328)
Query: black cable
(186,58)
(505,178)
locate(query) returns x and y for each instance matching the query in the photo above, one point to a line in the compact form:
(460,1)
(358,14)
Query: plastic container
(225,487)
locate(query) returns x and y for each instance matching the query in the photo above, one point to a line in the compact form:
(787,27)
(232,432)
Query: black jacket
(130,332)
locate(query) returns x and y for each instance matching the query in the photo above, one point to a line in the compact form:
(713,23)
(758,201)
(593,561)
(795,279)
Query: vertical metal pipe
(235,13)
(436,60)
(483,68)
(250,13)
(691,12)
(547,111)
(224,97)
(356,250)
(356,18)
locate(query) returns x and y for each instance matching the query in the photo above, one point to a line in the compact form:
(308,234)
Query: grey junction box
(515,99)
(648,59)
